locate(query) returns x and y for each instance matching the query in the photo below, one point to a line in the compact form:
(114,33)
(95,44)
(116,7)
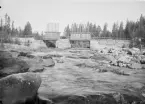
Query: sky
(41,12)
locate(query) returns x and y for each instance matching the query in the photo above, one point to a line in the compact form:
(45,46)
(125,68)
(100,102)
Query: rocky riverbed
(75,76)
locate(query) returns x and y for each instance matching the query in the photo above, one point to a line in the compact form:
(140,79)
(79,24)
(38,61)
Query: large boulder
(94,45)
(37,44)
(37,62)
(10,65)
(124,59)
(26,54)
(19,87)
(5,54)
(142,59)
(135,66)
(135,50)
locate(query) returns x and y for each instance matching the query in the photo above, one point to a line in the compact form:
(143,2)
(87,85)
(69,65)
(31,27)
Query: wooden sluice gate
(51,35)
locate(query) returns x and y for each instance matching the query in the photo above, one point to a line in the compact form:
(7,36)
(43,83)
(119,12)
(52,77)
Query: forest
(8,29)
(131,30)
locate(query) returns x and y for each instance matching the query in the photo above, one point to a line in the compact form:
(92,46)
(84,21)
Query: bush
(134,43)
(7,40)
(17,42)
(123,46)
(27,43)
(2,45)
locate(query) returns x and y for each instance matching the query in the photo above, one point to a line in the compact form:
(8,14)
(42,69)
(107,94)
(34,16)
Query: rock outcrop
(37,61)
(19,87)
(10,65)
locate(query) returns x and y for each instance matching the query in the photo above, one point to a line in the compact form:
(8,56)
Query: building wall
(80,44)
(63,44)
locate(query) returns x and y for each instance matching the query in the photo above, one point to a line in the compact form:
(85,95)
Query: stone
(26,54)
(112,60)
(37,61)
(143,53)
(36,68)
(59,60)
(124,59)
(5,54)
(135,50)
(38,64)
(49,62)
(19,87)
(10,65)
(135,66)
(129,52)
(142,60)
(143,66)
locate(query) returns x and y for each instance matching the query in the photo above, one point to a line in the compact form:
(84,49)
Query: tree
(67,31)
(94,31)
(75,27)
(130,30)
(142,27)
(121,31)
(80,28)
(27,29)
(98,30)
(8,25)
(13,29)
(1,25)
(115,30)
(20,32)
(104,32)
(7,28)
(6,19)
(42,33)
(87,27)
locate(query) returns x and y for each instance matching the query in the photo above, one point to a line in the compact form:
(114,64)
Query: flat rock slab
(19,87)
(85,81)
(37,61)
(68,81)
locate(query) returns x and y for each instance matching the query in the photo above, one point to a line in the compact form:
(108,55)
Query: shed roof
(80,37)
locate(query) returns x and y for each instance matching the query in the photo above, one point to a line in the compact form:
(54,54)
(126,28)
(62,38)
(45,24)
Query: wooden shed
(80,40)
(50,38)
(51,35)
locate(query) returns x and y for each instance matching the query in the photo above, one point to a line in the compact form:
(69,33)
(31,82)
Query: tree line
(132,29)
(8,29)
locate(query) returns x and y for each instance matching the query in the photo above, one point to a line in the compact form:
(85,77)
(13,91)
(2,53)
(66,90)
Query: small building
(80,40)
(51,35)
(50,38)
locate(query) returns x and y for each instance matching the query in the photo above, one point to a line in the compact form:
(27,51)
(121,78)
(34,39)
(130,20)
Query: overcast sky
(41,12)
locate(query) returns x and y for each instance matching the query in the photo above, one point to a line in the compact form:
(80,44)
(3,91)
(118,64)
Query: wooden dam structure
(77,39)
(51,34)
